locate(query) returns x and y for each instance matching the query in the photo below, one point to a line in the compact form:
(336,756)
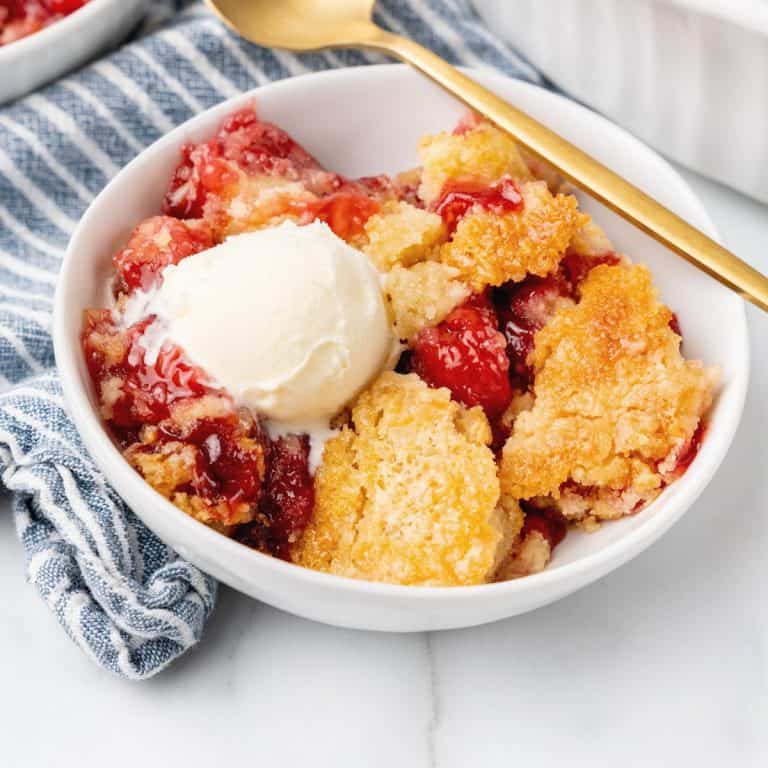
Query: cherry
(146,391)
(523,309)
(691,451)
(459,197)
(467,354)
(226,470)
(259,147)
(243,142)
(153,245)
(202,172)
(289,497)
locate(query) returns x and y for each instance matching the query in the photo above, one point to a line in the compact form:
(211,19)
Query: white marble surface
(664,662)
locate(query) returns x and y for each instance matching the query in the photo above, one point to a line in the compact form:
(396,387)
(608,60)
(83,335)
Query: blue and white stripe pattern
(124,597)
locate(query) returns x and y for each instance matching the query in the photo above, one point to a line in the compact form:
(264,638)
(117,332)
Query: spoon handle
(577,166)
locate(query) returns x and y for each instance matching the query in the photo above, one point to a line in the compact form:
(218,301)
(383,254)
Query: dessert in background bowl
(21,18)
(538,389)
(42,39)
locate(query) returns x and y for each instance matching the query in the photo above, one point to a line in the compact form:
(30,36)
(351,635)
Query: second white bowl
(45,55)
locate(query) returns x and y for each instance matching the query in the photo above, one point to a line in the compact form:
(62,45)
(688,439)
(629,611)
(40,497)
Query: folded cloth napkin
(123,596)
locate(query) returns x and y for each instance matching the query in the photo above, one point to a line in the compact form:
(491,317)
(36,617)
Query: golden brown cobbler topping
(409,494)
(483,153)
(422,295)
(591,240)
(613,395)
(491,249)
(402,235)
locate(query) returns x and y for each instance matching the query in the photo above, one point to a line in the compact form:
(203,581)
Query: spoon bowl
(298,25)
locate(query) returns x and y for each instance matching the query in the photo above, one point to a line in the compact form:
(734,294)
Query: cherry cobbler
(537,384)
(20,18)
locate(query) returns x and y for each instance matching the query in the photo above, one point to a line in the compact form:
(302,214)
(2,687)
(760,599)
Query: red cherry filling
(690,451)
(64,6)
(576,266)
(20,18)
(466,353)
(136,393)
(153,245)
(344,212)
(259,147)
(24,17)
(230,451)
(201,172)
(500,432)
(376,186)
(13,9)
(460,196)
(229,466)
(544,520)
(523,310)
(289,498)
(243,142)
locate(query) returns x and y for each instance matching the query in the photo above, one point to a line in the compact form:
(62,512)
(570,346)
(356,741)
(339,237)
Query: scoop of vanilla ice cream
(290,320)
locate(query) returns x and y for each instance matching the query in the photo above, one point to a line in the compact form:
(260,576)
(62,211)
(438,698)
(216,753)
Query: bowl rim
(118,472)
(39,41)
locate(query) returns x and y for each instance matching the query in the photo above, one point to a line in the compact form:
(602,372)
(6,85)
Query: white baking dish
(690,77)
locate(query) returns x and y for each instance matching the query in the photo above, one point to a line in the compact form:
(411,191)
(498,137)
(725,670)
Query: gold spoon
(309,25)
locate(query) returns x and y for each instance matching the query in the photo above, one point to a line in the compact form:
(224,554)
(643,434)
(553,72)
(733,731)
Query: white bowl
(687,76)
(45,55)
(362,121)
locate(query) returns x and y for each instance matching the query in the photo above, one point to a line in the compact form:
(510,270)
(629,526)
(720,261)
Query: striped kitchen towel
(123,596)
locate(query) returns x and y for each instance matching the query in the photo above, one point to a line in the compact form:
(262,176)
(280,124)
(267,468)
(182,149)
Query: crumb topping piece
(422,295)
(613,395)
(402,235)
(529,554)
(591,240)
(482,153)
(492,249)
(408,494)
